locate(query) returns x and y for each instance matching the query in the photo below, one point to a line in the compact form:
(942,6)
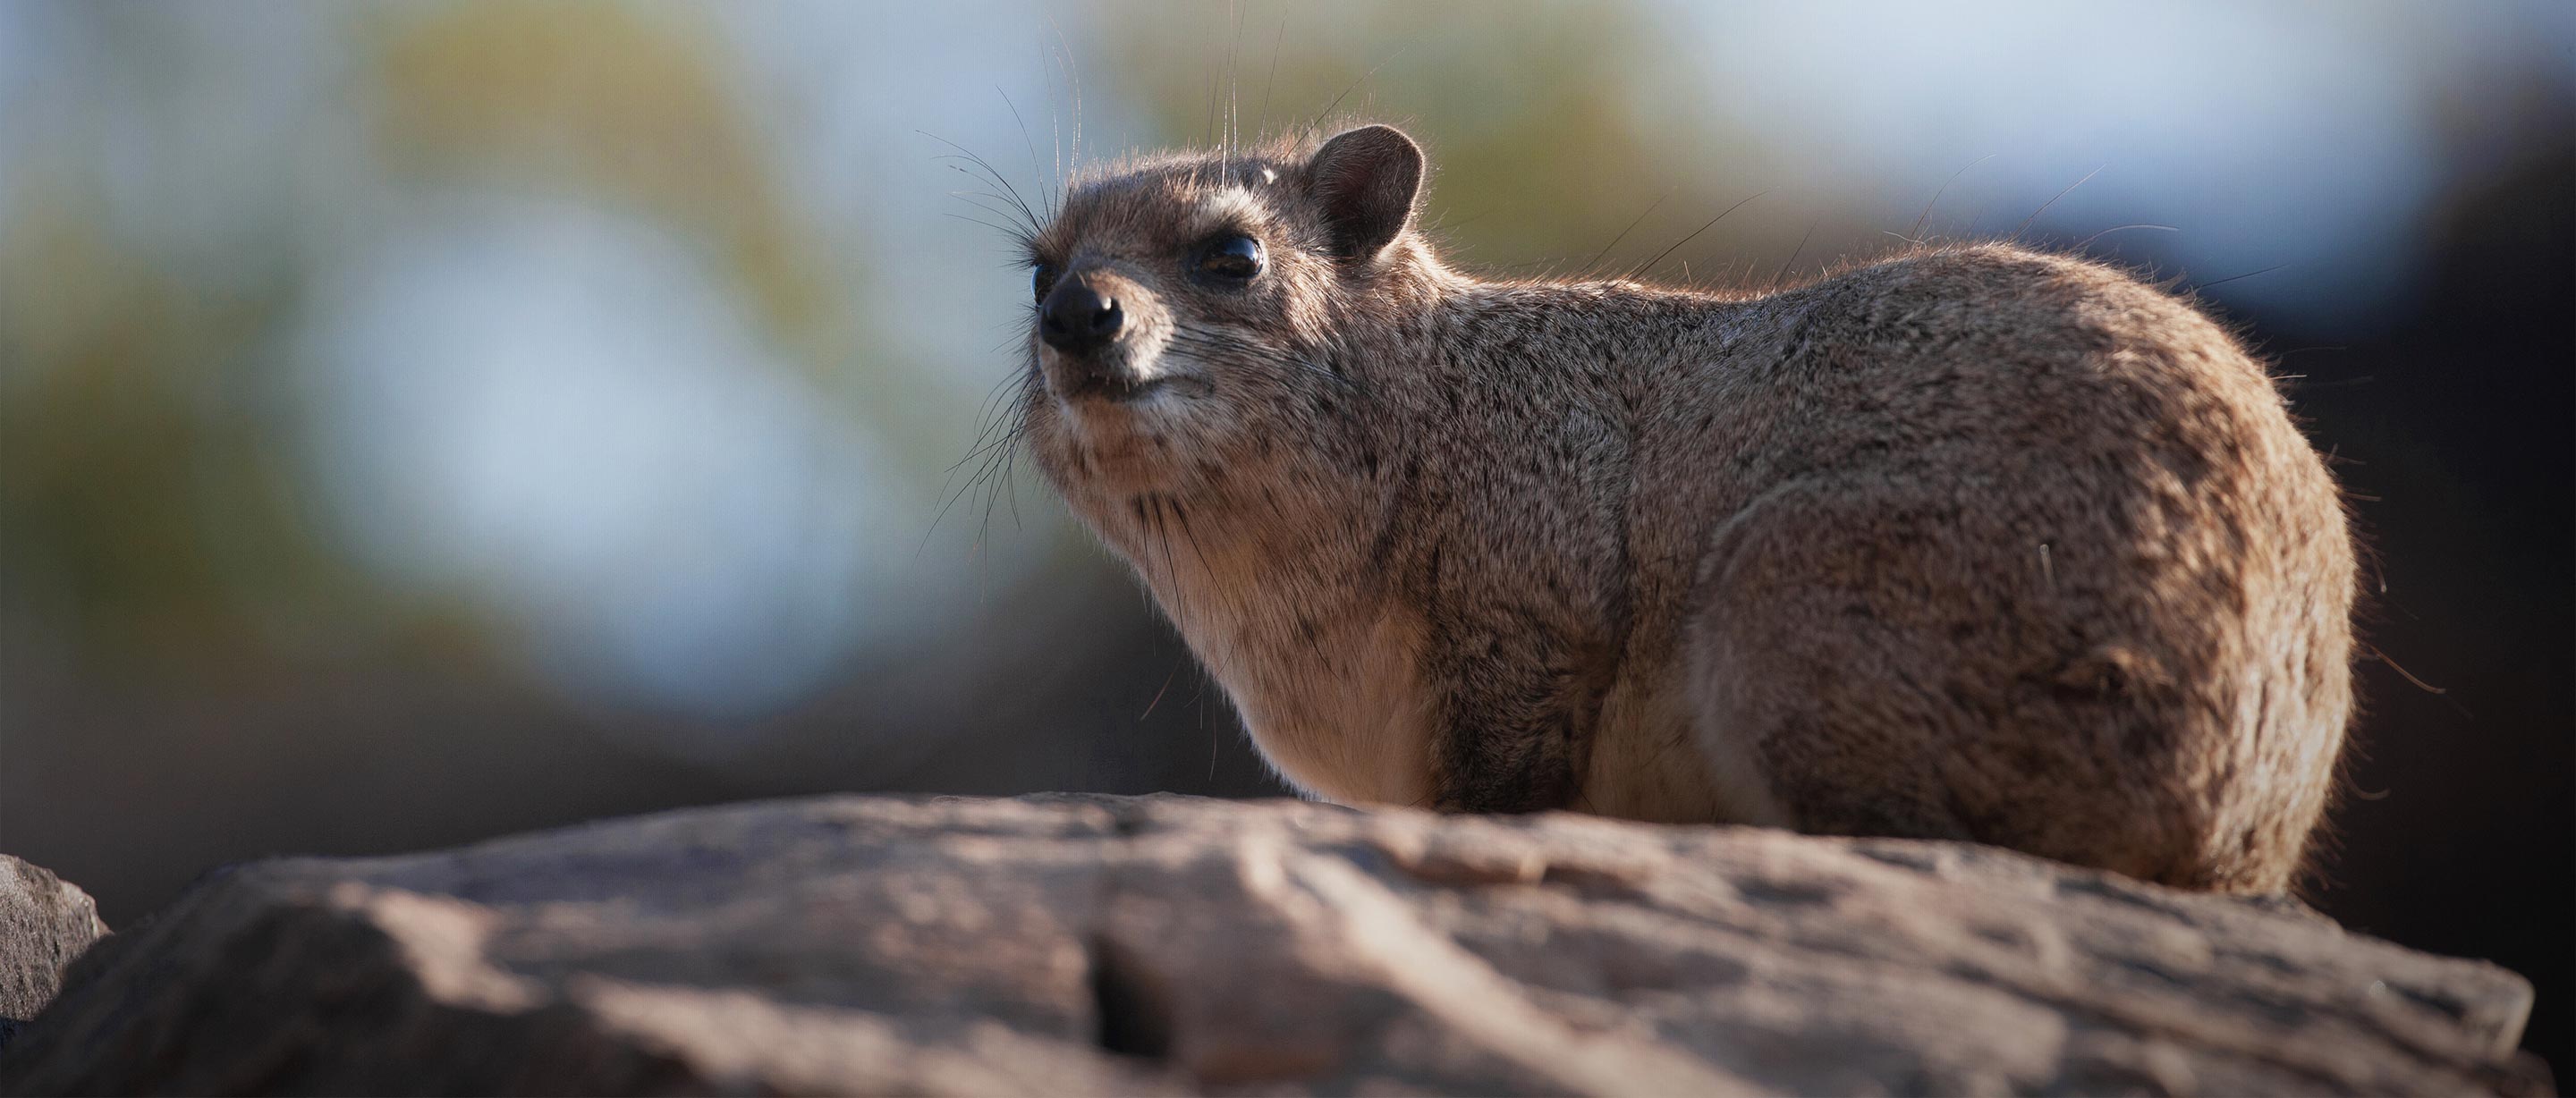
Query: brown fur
(1971,543)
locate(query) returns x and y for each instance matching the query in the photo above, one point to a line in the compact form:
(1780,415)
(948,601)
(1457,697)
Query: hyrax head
(1188,306)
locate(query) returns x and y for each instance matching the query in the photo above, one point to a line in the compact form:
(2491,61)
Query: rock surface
(1072,945)
(44,924)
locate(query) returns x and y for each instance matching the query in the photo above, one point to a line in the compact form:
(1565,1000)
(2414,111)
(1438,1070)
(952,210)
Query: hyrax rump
(1973,543)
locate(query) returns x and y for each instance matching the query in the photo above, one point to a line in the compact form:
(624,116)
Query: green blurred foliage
(622,105)
(141,495)
(155,515)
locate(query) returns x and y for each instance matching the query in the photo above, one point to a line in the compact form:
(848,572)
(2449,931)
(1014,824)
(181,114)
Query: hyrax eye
(1041,279)
(1228,260)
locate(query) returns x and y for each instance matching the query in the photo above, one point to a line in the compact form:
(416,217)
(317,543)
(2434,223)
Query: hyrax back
(1972,543)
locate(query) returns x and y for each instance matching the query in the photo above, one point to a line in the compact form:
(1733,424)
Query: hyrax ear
(1366,180)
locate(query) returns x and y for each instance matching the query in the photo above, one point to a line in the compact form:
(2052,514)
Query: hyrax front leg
(1517,721)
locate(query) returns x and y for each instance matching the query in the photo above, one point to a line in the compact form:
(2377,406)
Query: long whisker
(1623,233)
(2232,278)
(1025,215)
(1327,112)
(944,508)
(979,161)
(1793,255)
(1005,230)
(1035,174)
(1181,518)
(998,439)
(1261,122)
(2087,242)
(982,174)
(976,199)
(1694,234)
(2043,207)
(1171,574)
(1914,232)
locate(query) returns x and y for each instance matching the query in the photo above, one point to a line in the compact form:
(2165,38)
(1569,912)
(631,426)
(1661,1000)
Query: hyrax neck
(1264,576)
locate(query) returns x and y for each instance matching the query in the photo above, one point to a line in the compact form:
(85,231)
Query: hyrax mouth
(1121,387)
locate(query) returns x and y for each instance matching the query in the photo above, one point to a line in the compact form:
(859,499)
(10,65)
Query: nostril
(1076,318)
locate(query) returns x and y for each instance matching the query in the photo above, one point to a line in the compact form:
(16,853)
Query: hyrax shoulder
(1973,543)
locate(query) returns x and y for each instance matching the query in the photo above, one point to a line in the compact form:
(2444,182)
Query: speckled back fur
(1973,542)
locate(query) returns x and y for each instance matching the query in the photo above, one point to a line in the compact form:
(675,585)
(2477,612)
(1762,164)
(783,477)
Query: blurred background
(421,422)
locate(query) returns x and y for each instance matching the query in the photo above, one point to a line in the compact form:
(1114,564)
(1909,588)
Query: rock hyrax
(1971,543)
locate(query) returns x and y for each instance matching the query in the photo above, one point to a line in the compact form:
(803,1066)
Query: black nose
(1076,318)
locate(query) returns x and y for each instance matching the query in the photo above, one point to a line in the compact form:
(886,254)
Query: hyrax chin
(1973,543)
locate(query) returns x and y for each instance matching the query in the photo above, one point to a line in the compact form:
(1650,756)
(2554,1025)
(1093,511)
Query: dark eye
(1041,279)
(1229,260)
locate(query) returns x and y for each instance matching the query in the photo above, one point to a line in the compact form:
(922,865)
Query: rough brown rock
(1065,945)
(44,923)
